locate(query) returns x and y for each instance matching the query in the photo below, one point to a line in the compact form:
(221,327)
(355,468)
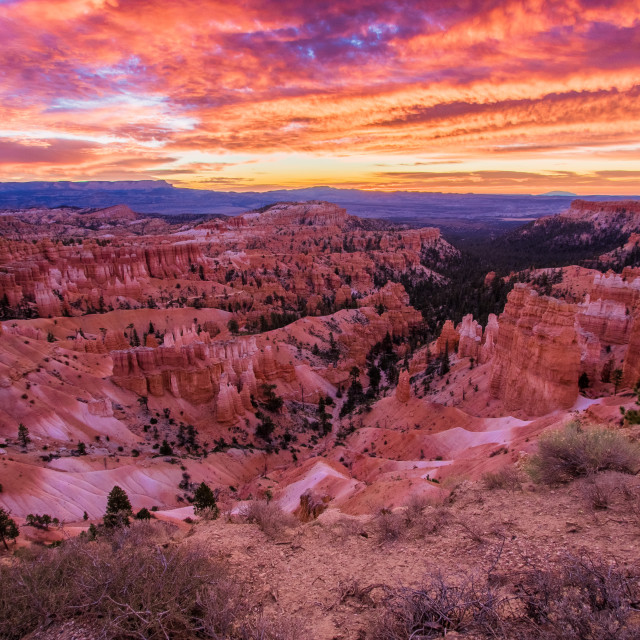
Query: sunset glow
(494,96)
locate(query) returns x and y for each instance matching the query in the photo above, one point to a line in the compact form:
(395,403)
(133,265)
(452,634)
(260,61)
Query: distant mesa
(564,194)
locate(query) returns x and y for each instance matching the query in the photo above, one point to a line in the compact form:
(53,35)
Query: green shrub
(204,502)
(118,509)
(574,452)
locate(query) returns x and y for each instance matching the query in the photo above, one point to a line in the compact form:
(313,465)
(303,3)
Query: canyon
(279,353)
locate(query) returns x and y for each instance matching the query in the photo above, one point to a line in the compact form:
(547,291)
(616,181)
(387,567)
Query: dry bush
(419,515)
(125,586)
(600,491)
(348,527)
(574,452)
(466,605)
(268,516)
(579,598)
(414,508)
(262,628)
(473,530)
(143,533)
(508,478)
(434,519)
(353,590)
(390,526)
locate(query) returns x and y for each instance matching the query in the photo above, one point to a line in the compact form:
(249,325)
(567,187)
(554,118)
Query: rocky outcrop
(489,339)
(313,213)
(631,366)
(189,365)
(607,319)
(311,506)
(623,289)
(622,214)
(537,361)
(403,390)
(448,340)
(101,407)
(470,333)
(590,355)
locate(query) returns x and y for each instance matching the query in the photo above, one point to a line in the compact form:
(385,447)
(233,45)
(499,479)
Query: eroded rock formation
(537,361)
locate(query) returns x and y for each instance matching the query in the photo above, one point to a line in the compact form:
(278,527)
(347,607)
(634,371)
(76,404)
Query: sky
(485,96)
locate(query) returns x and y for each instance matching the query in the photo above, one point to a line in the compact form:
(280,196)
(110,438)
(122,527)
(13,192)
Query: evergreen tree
(583,381)
(233,326)
(118,509)
(374,377)
(23,436)
(616,378)
(204,502)
(265,427)
(165,449)
(8,528)
(445,365)
(143,514)
(325,422)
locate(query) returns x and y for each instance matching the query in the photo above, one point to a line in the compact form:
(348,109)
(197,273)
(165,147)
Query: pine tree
(204,502)
(23,436)
(616,378)
(8,528)
(325,422)
(583,381)
(374,377)
(233,326)
(165,449)
(445,365)
(118,509)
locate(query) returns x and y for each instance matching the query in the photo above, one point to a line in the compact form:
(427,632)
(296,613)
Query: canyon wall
(537,357)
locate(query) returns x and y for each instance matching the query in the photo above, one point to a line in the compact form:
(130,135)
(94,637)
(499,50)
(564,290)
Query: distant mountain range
(454,212)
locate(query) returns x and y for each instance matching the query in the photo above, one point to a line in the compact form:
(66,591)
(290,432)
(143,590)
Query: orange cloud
(133,87)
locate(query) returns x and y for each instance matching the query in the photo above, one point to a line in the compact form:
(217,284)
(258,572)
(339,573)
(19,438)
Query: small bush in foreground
(577,598)
(600,491)
(506,478)
(268,516)
(574,452)
(438,607)
(127,585)
(390,526)
(581,597)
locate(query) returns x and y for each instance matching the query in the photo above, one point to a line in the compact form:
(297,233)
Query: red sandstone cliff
(537,361)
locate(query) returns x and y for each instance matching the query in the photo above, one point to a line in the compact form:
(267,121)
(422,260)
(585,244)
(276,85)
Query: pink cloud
(346,77)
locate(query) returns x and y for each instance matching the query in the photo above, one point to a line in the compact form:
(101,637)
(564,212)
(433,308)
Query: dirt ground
(309,571)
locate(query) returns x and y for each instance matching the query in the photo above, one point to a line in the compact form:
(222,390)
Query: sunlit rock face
(537,357)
